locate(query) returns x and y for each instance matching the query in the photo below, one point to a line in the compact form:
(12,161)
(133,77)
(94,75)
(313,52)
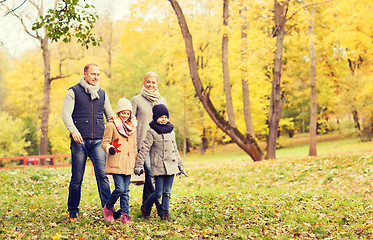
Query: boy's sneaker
(108,214)
(126,219)
(74,216)
(145,212)
(167,217)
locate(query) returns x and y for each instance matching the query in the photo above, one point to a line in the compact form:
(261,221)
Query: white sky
(15,41)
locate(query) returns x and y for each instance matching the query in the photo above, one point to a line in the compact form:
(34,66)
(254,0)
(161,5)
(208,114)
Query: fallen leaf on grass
(57,236)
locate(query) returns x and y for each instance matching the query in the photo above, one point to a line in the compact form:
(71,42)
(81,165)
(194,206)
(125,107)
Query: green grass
(226,196)
(232,151)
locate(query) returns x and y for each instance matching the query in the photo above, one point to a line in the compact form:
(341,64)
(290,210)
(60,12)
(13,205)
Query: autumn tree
(275,107)
(50,21)
(352,42)
(313,120)
(244,71)
(246,142)
(12,136)
(227,82)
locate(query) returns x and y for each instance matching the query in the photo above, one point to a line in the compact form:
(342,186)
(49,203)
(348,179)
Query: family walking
(138,138)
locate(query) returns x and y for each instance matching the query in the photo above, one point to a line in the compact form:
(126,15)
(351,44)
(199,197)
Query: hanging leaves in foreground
(70,15)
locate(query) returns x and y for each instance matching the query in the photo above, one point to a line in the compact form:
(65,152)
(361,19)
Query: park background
(227,195)
(148,38)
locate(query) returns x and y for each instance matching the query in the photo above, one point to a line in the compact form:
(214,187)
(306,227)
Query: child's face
(124,115)
(162,119)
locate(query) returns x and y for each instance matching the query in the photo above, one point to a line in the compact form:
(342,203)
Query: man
(82,113)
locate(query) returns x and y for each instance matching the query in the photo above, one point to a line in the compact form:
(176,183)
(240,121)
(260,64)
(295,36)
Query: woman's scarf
(161,128)
(153,97)
(125,128)
(90,89)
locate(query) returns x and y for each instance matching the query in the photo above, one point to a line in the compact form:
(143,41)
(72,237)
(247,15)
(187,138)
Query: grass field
(226,196)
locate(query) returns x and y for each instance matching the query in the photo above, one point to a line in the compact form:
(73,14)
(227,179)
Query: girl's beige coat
(124,161)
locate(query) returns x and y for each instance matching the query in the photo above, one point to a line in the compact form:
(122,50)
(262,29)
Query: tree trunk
(244,79)
(227,82)
(46,100)
(213,140)
(247,143)
(204,144)
(355,116)
(313,120)
(275,107)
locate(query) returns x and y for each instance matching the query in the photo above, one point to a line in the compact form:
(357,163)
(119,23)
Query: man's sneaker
(145,212)
(167,217)
(108,214)
(126,219)
(74,216)
(116,214)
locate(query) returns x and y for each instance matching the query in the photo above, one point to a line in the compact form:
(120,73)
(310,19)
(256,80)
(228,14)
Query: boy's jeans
(79,153)
(163,186)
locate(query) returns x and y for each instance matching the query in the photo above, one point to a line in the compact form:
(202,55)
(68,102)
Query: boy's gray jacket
(164,156)
(142,109)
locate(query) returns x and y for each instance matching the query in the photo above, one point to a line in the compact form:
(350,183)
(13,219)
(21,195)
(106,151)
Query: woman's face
(124,115)
(151,84)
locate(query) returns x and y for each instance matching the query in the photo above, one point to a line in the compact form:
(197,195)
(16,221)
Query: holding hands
(181,169)
(138,171)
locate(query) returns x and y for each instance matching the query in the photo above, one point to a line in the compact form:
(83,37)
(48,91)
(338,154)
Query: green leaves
(69,20)
(12,136)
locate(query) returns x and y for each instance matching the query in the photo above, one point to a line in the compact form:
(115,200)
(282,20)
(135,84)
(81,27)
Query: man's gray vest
(88,115)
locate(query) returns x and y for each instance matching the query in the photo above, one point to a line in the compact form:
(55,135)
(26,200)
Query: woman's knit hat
(159,110)
(123,104)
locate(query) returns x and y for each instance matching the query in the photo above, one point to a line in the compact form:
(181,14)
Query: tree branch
(25,28)
(61,76)
(11,11)
(308,5)
(34,4)
(22,22)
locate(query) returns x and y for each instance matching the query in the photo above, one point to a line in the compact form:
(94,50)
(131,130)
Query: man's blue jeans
(163,186)
(122,183)
(79,153)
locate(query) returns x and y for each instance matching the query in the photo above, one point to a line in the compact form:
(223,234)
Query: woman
(142,105)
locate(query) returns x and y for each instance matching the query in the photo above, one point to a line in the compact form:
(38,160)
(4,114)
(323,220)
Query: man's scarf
(90,89)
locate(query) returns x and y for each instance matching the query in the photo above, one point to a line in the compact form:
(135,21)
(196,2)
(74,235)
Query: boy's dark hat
(159,110)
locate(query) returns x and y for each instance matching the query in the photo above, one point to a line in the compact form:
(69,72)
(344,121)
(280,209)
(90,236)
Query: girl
(165,160)
(119,142)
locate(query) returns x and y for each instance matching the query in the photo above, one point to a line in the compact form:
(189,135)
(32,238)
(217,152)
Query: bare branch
(34,4)
(308,5)
(61,76)
(14,8)
(22,23)
(25,28)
